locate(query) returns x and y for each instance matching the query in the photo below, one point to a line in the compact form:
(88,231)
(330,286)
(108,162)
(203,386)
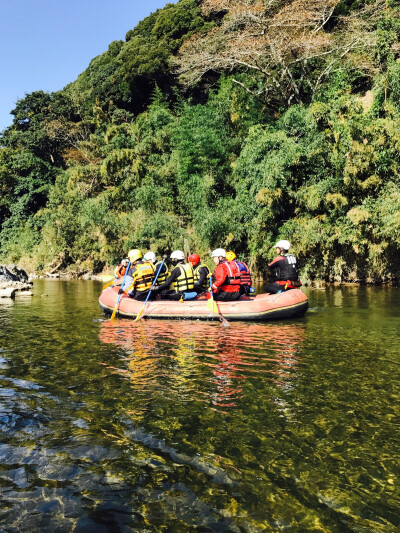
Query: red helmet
(194,259)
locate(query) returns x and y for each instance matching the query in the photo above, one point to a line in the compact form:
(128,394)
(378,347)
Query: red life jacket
(232,282)
(245,276)
(120,271)
(226,277)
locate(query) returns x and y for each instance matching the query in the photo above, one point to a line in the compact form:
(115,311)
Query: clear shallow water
(189,426)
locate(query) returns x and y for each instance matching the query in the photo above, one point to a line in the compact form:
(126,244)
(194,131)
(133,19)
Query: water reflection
(188,426)
(202,361)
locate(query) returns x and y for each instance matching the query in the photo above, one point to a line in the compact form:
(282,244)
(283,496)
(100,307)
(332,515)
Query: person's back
(226,285)
(201,274)
(284,266)
(245,275)
(139,278)
(180,282)
(160,267)
(164,272)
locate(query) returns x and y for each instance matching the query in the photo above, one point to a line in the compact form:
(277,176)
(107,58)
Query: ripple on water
(122,426)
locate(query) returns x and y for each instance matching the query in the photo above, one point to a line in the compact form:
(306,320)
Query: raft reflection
(202,361)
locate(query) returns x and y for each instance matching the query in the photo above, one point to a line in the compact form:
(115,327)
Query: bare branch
(276,40)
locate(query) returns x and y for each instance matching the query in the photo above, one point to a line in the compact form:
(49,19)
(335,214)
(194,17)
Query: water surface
(190,426)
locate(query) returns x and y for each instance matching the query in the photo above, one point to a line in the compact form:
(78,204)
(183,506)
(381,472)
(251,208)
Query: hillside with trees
(218,123)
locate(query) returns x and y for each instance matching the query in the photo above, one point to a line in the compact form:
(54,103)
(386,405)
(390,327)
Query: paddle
(109,280)
(212,305)
(139,315)
(211,302)
(119,295)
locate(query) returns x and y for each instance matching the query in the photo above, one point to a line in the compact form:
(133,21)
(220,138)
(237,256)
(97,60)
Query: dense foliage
(200,130)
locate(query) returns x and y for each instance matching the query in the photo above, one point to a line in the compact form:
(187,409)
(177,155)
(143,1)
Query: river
(189,426)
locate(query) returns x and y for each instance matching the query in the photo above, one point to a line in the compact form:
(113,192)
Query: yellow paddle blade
(114,312)
(116,306)
(108,284)
(139,315)
(212,305)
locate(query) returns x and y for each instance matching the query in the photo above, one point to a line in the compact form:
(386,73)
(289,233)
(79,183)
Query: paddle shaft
(223,320)
(108,284)
(151,288)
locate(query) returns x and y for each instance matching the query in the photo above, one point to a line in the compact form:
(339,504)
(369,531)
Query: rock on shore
(13,279)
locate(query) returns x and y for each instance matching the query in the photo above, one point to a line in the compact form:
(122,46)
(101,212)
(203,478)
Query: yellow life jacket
(162,276)
(197,275)
(143,277)
(185,281)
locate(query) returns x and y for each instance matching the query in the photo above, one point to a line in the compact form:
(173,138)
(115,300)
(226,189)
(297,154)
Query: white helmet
(285,245)
(178,255)
(218,252)
(150,256)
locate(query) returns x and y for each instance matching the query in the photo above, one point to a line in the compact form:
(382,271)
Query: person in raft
(226,286)
(180,283)
(139,278)
(120,269)
(245,276)
(150,257)
(201,274)
(284,266)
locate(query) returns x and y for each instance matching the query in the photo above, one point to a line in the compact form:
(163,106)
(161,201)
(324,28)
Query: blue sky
(46,44)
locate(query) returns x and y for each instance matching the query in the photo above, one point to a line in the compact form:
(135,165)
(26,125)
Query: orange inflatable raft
(287,304)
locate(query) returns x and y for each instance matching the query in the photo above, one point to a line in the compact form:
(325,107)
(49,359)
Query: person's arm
(171,278)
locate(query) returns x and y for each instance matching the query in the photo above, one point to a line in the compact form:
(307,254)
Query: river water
(189,426)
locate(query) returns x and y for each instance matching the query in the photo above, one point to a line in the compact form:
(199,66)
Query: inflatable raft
(288,304)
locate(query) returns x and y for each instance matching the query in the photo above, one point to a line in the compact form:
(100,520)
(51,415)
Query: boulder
(8,292)
(14,277)
(12,273)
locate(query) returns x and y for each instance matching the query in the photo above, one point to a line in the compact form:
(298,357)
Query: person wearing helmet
(245,276)
(120,269)
(180,283)
(201,274)
(150,257)
(139,278)
(226,286)
(284,266)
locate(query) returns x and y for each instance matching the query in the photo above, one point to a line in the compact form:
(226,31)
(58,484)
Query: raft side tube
(262,307)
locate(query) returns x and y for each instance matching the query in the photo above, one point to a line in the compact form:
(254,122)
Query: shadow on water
(185,425)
